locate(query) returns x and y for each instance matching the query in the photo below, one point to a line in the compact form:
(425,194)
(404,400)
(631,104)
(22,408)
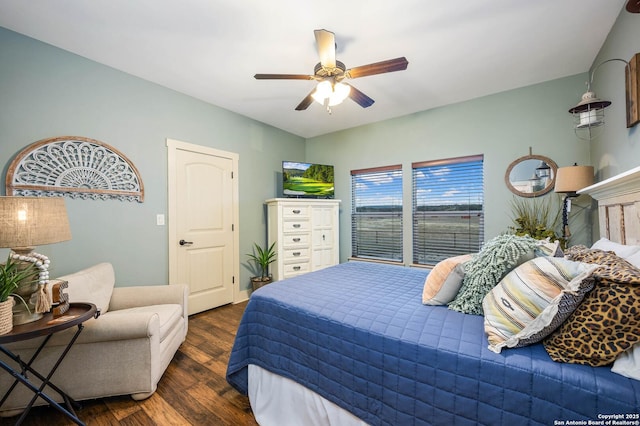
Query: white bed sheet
(278,401)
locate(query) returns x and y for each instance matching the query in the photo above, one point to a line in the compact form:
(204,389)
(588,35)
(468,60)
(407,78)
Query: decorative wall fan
(330,73)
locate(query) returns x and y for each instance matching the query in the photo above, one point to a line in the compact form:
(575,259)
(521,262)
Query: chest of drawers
(306,235)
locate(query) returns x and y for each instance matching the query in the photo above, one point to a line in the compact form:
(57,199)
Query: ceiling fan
(330,73)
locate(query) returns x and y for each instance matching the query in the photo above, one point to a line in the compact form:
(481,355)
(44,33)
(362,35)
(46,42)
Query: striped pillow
(533,300)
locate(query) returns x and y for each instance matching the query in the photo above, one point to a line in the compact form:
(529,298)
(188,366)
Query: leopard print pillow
(607,322)
(611,265)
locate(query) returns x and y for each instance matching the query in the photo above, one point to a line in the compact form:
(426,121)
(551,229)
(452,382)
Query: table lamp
(569,180)
(26,222)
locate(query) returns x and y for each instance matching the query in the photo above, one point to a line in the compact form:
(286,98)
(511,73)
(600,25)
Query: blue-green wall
(47,92)
(501,126)
(617,149)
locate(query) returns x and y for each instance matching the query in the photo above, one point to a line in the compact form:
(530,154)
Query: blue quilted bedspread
(358,334)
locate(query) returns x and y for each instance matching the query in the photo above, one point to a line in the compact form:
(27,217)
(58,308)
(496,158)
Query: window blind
(376,213)
(448,208)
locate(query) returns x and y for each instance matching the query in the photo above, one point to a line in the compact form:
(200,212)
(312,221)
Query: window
(376,213)
(448,199)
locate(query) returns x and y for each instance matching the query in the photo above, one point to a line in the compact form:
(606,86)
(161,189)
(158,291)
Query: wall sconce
(589,112)
(26,222)
(569,180)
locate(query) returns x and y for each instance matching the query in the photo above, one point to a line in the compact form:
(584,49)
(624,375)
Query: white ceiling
(210,49)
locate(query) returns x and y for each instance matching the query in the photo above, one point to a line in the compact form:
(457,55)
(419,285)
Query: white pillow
(621,250)
(92,285)
(628,363)
(634,259)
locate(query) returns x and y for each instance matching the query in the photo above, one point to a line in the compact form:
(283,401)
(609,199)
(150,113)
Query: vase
(6,316)
(257,282)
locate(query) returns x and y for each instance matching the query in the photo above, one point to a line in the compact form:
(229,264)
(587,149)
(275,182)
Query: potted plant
(537,218)
(262,257)
(12,273)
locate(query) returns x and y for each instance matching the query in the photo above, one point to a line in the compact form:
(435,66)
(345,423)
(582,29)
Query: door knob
(185,243)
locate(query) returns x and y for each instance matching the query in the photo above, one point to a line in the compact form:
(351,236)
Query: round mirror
(531,175)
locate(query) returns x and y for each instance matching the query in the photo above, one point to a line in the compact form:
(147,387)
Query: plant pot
(6,316)
(257,282)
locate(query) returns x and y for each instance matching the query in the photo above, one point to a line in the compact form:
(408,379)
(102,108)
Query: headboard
(618,206)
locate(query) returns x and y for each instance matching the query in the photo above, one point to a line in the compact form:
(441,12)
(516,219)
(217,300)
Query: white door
(322,236)
(203,213)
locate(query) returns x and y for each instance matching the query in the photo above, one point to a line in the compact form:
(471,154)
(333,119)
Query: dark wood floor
(193,390)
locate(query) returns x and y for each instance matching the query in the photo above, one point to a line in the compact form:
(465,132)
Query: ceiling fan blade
(305,102)
(283,77)
(360,98)
(391,65)
(633,6)
(326,42)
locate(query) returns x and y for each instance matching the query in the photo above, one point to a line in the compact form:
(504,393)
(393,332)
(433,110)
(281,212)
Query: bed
(354,344)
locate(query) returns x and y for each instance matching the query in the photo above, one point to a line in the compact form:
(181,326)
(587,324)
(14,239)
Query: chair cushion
(92,285)
(169,315)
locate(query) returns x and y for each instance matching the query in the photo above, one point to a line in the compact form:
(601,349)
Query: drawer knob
(296,240)
(296,212)
(296,253)
(296,268)
(296,225)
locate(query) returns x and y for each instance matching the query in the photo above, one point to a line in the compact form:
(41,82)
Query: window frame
(393,243)
(420,247)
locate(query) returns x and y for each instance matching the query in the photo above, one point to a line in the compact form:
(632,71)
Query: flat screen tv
(307,180)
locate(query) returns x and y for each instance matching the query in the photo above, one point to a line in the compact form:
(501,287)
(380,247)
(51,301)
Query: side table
(47,326)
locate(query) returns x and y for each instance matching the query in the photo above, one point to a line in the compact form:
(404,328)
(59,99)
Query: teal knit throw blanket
(486,269)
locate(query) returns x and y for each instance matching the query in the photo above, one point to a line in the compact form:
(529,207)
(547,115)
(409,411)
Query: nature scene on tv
(307,180)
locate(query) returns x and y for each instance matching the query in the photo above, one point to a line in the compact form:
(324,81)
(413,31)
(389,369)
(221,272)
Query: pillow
(533,300)
(611,265)
(621,250)
(92,285)
(634,259)
(607,322)
(628,363)
(444,280)
(486,269)
(548,248)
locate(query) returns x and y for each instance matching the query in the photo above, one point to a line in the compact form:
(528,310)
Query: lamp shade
(33,221)
(573,178)
(589,102)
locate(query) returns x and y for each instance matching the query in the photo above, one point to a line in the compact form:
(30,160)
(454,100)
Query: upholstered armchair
(124,351)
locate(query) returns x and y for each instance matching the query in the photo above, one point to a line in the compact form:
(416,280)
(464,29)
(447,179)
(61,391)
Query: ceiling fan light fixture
(333,93)
(340,93)
(323,91)
(330,72)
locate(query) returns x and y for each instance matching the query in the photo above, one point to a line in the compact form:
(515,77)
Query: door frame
(174,145)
